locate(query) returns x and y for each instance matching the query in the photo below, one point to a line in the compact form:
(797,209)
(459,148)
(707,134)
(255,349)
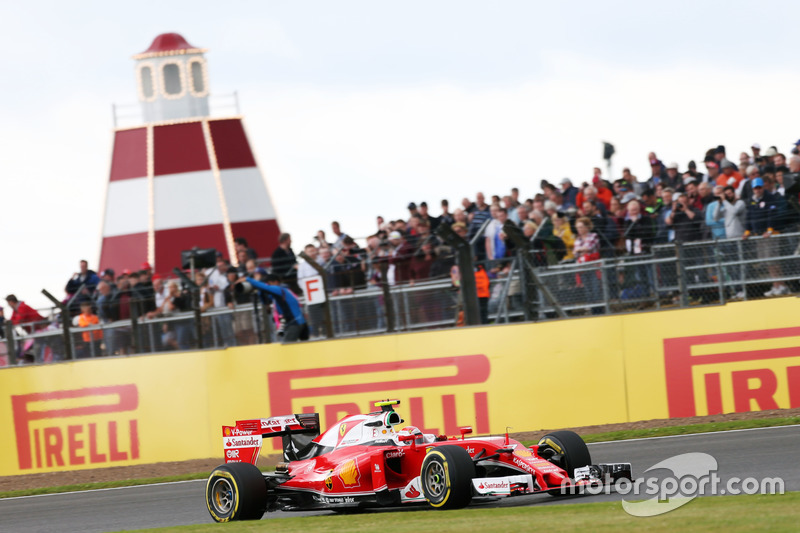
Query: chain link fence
(671,276)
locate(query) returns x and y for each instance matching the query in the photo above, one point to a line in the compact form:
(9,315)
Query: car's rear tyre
(446,477)
(236,491)
(570,450)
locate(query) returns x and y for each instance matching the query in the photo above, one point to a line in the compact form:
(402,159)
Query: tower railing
(129,115)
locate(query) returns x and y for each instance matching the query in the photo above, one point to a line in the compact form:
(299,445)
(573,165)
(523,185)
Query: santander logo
(412,493)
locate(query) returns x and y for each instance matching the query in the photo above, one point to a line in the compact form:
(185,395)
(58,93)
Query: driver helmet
(412,430)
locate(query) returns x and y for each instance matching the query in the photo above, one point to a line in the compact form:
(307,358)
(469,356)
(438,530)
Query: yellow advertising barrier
(170,407)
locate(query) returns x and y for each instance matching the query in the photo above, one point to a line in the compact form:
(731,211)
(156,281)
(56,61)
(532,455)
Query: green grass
(711,514)
(709,427)
(103,485)
(592,437)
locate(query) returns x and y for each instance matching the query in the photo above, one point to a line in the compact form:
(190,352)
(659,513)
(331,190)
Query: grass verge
(711,514)
(590,437)
(708,427)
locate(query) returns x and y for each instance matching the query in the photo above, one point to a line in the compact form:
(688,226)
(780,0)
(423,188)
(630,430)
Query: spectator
(590,193)
(91,339)
(713,172)
(569,193)
(421,262)
(24,315)
(322,242)
(692,171)
(639,231)
(651,203)
(241,246)
(433,222)
(337,231)
(316,314)
(84,277)
(732,211)
(763,218)
(671,177)
(729,175)
(412,211)
(399,259)
(107,312)
(562,230)
(605,228)
(685,219)
(664,233)
(221,299)
(446,218)
(477,218)
(587,249)
(180,335)
(714,222)
(295,326)
(85,281)
(284,262)
(252,269)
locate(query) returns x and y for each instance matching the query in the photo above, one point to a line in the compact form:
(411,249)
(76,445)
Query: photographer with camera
(296,327)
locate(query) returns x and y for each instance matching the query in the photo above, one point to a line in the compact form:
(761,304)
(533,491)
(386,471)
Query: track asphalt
(758,453)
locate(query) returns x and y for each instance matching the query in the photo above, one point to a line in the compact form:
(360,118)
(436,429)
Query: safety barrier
(169,407)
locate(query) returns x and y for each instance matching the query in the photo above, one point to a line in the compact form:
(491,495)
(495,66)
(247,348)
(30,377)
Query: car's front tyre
(236,491)
(446,477)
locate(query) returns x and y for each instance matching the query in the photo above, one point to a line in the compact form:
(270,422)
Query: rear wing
(276,426)
(242,442)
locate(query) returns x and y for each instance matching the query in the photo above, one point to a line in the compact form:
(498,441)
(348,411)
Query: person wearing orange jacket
(91,339)
(482,288)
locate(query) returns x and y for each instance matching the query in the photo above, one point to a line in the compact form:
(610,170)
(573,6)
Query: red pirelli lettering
(53,440)
(749,386)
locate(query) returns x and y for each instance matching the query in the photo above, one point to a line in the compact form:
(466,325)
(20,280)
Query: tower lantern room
(172,79)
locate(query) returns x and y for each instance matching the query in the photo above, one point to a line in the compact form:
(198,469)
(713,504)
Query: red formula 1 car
(371,461)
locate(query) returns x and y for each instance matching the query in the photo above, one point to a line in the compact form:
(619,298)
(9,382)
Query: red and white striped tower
(182,179)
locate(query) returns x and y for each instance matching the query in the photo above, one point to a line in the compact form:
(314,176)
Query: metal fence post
(682,285)
(469,293)
(66,323)
(388,304)
(11,344)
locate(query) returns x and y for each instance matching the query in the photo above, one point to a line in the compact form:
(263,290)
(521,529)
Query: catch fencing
(670,276)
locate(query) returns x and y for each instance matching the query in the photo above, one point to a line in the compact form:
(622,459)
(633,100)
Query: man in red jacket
(23,313)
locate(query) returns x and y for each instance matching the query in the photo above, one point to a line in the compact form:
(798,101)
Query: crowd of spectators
(579,220)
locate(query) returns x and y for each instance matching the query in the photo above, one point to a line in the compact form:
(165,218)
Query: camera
(243,288)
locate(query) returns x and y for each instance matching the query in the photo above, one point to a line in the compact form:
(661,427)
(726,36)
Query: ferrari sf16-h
(372,460)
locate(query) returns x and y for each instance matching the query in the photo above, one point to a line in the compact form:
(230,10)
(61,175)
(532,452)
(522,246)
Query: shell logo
(227,432)
(349,473)
(523,452)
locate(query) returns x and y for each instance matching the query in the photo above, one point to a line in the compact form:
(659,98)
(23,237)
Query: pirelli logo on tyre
(88,427)
(732,372)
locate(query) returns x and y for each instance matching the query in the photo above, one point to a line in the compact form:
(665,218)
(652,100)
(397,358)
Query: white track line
(692,434)
(105,489)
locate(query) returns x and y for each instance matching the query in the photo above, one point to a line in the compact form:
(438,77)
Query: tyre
(570,450)
(236,491)
(446,477)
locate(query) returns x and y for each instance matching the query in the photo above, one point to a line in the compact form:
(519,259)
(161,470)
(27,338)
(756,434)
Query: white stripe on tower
(226,220)
(151,207)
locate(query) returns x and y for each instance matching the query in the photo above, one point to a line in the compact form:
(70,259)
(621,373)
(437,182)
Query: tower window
(147,82)
(173,85)
(197,68)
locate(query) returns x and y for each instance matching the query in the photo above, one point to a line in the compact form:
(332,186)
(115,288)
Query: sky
(356,108)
